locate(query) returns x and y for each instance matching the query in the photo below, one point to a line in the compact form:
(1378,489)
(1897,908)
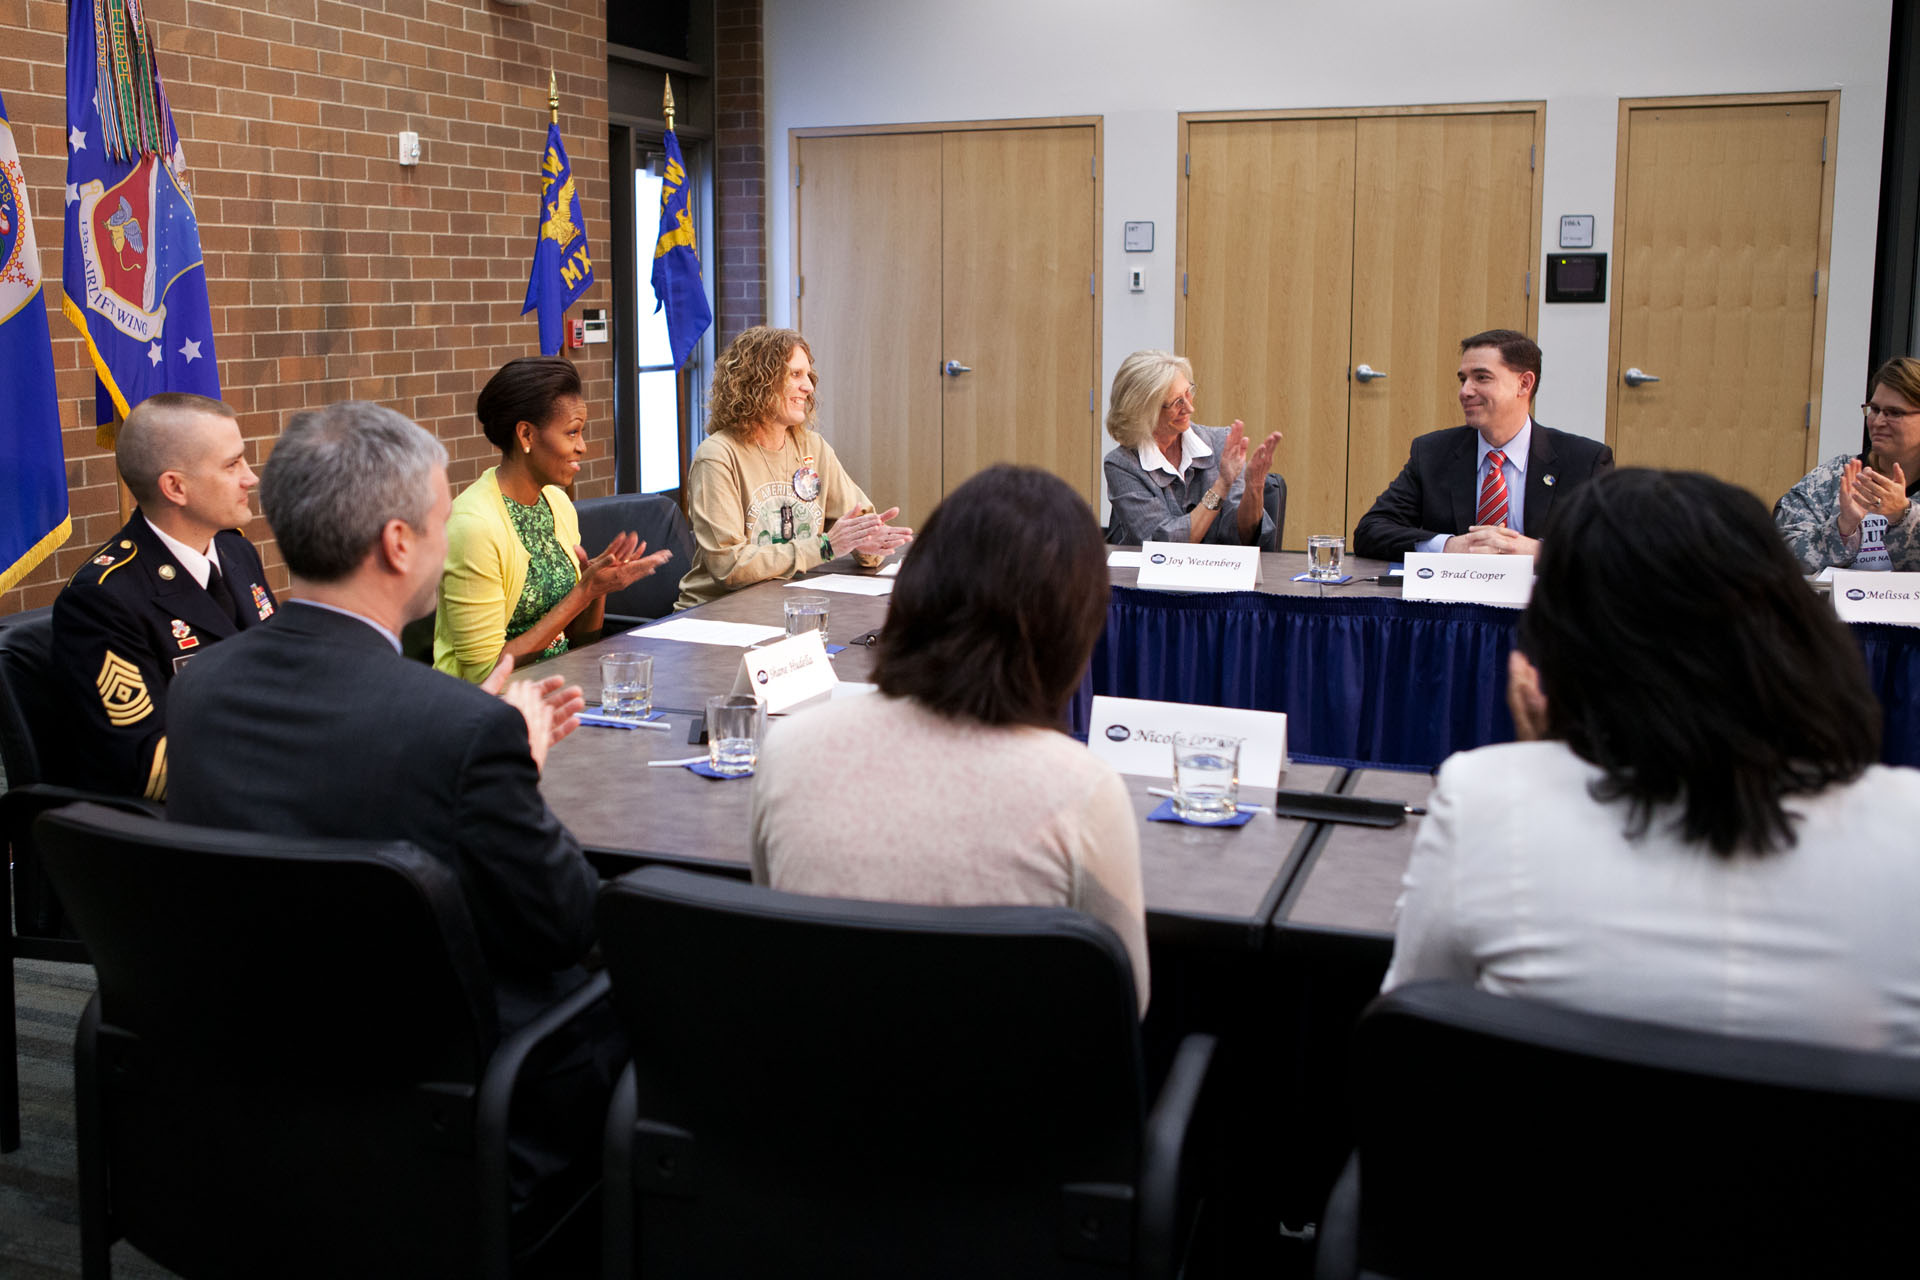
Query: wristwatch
(1210,500)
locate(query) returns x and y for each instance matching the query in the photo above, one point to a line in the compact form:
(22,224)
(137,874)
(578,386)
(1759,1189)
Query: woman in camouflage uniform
(1858,512)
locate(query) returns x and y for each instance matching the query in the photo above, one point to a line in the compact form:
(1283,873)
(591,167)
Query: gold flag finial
(553,95)
(668,104)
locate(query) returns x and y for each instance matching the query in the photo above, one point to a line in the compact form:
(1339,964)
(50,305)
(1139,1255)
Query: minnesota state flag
(33,521)
(676,262)
(136,286)
(562,268)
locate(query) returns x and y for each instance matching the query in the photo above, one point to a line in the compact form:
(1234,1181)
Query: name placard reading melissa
(1438,575)
(1196,566)
(787,673)
(1877,597)
(1135,736)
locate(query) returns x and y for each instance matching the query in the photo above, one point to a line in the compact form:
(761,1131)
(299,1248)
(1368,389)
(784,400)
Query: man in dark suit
(179,578)
(317,726)
(1488,486)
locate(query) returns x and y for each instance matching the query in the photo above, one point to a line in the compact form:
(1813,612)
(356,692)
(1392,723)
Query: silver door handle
(954,369)
(1634,378)
(1365,373)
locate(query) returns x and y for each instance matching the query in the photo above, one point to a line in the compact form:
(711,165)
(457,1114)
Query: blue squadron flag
(676,261)
(562,268)
(135,283)
(33,519)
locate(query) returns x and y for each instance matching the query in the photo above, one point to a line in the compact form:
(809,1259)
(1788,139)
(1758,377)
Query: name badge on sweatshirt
(1877,597)
(1198,566)
(1472,579)
(786,673)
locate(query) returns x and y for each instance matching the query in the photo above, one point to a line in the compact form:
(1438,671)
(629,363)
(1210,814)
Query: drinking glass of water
(626,685)
(1326,553)
(807,613)
(736,722)
(1206,776)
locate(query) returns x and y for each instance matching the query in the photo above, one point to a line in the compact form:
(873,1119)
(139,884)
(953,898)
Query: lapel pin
(166,572)
(1547,480)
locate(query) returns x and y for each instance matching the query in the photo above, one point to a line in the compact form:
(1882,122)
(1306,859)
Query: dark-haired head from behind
(999,602)
(524,390)
(1680,650)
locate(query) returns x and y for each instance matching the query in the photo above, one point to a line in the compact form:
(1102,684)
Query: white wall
(1139,64)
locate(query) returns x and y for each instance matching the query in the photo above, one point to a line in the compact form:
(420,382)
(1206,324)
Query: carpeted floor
(39,1208)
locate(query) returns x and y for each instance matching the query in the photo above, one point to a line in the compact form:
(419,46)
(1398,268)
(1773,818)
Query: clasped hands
(551,707)
(1864,491)
(1492,540)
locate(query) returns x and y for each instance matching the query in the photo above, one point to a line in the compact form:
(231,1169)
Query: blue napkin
(1165,813)
(706,770)
(1328,582)
(835,648)
(616,722)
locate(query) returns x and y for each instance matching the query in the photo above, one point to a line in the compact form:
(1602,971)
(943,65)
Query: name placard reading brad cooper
(787,672)
(1438,575)
(1136,736)
(1877,597)
(1196,566)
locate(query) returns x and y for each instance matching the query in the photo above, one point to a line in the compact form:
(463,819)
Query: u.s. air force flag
(676,262)
(562,268)
(33,521)
(136,286)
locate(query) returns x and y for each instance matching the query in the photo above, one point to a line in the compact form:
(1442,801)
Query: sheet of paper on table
(846,582)
(892,570)
(731,635)
(1126,559)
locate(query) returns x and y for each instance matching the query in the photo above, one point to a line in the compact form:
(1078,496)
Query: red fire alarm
(576,332)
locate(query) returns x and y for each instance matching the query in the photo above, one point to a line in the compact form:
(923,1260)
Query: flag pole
(553,95)
(668,104)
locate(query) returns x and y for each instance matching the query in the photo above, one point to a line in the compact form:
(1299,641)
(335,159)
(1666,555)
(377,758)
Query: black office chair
(853,1089)
(292,1066)
(658,521)
(1275,497)
(1501,1137)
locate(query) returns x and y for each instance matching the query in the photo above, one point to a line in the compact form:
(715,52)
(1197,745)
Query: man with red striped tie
(1487,486)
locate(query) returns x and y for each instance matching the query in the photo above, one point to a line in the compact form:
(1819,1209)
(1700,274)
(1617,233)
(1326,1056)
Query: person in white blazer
(1694,828)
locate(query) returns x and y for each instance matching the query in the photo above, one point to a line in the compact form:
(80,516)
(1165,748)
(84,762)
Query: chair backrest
(1501,1137)
(27,698)
(870,1087)
(660,524)
(290,1033)
(1275,498)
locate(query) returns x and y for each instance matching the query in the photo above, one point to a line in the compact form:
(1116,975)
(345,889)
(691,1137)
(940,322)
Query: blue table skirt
(1369,680)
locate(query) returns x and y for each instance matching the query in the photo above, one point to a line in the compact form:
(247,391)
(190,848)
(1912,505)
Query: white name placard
(1877,597)
(1196,566)
(787,673)
(1434,575)
(1136,736)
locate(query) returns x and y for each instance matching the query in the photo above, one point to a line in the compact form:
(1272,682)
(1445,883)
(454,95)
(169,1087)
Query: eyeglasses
(1895,416)
(1185,401)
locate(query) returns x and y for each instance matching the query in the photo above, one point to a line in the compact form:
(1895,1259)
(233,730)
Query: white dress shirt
(1524,885)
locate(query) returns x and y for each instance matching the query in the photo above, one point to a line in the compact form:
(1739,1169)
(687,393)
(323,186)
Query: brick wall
(740,168)
(334,273)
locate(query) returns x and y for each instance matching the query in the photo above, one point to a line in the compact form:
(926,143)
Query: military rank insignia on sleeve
(123,692)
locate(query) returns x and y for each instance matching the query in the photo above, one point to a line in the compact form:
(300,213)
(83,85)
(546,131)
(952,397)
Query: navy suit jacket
(315,726)
(1435,492)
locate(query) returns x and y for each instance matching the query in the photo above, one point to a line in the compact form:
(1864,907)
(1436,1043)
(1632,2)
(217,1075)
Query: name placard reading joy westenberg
(1135,736)
(787,673)
(1473,579)
(1197,566)
(1877,597)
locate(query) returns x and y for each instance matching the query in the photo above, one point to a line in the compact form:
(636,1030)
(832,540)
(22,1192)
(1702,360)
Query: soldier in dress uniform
(179,577)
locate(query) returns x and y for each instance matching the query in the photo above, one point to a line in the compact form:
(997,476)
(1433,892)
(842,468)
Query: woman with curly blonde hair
(765,494)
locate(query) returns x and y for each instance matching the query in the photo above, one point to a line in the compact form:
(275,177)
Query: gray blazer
(1152,506)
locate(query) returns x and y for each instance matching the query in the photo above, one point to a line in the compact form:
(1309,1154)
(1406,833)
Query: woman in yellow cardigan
(517,579)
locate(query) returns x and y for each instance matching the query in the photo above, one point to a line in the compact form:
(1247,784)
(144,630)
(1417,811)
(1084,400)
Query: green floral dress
(551,569)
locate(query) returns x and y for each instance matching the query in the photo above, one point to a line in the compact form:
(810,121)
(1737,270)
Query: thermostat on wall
(1576,277)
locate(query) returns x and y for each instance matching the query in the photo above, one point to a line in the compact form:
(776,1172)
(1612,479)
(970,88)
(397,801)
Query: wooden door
(869,260)
(1018,308)
(1721,217)
(1443,241)
(1269,261)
